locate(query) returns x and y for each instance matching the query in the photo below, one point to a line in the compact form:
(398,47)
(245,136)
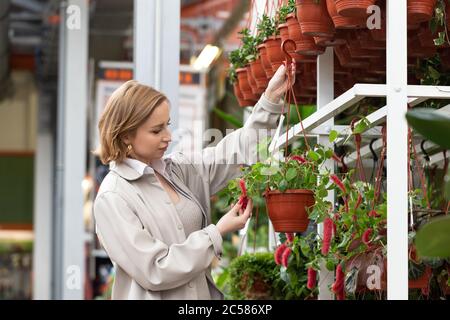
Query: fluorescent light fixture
(206,57)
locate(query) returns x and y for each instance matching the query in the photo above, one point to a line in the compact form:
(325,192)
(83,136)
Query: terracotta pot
(262,50)
(274,52)
(244,85)
(314,18)
(377,66)
(420,10)
(287,210)
(367,42)
(415,50)
(346,60)
(259,74)
(423,281)
(284,34)
(426,38)
(353,8)
(329,41)
(305,44)
(251,80)
(355,49)
(240,98)
(341,22)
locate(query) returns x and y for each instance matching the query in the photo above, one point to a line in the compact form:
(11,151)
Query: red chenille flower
(279,253)
(327,234)
(299,159)
(366,236)
(243,199)
(338,183)
(285,256)
(289,237)
(374,214)
(338,285)
(311,284)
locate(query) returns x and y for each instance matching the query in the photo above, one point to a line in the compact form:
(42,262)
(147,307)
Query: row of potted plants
(315,24)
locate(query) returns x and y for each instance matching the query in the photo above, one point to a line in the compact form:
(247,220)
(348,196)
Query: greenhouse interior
(301,151)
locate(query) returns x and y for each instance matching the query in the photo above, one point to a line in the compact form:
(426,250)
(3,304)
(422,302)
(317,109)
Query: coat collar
(133,172)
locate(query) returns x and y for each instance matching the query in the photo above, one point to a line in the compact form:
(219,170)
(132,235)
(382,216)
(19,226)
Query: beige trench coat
(138,226)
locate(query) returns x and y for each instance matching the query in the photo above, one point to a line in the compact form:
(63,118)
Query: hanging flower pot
(367,41)
(341,22)
(259,74)
(420,10)
(244,85)
(305,44)
(252,82)
(262,50)
(353,8)
(329,41)
(346,60)
(378,66)
(314,18)
(240,98)
(274,52)
(287,210)
(355,49)
(284,34)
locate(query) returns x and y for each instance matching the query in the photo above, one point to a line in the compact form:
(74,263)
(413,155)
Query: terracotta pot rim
(290,191)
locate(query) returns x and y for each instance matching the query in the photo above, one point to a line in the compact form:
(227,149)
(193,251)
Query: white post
(43,187)
(325,94)
(397,148)
(157,48)
(69,258)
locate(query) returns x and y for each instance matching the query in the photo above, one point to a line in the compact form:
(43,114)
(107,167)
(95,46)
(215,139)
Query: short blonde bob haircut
(127,108)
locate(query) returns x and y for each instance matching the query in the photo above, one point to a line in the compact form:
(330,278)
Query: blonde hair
(127,108)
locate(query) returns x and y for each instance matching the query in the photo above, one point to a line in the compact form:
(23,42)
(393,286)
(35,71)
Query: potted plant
(253,277)
(420,10)
(314,18)
(354,19)
(268,30)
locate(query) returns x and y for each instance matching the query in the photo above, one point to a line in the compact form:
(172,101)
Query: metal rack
(399,94)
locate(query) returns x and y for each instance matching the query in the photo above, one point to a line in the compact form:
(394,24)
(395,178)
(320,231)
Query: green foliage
(228,118)
(244,270)
(284,11)
(267,27)
(432,125)
(283,175)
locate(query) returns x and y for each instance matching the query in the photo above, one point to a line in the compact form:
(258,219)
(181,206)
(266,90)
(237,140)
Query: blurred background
(59,62)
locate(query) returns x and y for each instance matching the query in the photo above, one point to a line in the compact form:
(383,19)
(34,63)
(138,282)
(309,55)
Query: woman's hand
(235,219)
(279,84)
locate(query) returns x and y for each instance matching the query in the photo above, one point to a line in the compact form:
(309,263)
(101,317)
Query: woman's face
(152,138)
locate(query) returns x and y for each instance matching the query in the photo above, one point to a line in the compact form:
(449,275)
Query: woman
(152,212)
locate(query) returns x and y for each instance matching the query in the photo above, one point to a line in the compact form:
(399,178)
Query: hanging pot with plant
(305,45)
(262,50)
(353,8)
(244,85)
(259,74)
(344,22)
(314,18)
(420,10)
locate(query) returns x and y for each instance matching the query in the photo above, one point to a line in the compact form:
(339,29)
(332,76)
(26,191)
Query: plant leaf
(333,135)
(291,174)
(228,118)
(433,239)
(432,125)
(314,156)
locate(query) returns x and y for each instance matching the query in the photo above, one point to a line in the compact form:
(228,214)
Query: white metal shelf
(398,95)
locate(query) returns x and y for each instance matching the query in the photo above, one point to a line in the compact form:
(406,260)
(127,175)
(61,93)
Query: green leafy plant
(253,276)
(432,240)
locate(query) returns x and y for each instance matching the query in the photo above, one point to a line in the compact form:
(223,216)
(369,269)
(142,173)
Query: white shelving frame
(398,94)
